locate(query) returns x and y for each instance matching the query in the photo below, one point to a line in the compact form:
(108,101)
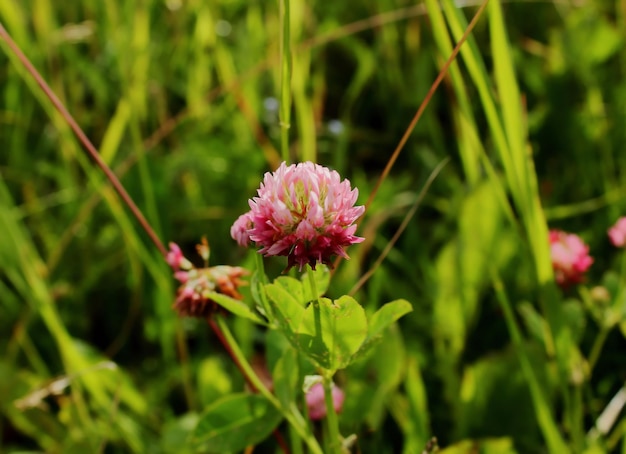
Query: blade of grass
(471,148)
(15,18)
(285,78)
(305,113)
(543,409)
(300,85)
(479,75)
(24,269)
(526,194)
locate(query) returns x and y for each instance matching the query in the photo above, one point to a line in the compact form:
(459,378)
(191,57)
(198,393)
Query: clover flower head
(617,233)
(316,404)
(570,257)
(303,211)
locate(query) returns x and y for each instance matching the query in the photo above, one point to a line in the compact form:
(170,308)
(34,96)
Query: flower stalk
(292,416)
(285,78)
(331,421)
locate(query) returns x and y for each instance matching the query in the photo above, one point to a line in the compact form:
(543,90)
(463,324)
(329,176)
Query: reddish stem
(89,147)
(424,104)
(419,113)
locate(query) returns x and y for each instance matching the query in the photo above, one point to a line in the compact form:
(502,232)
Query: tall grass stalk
(285,78)
(471,150)
(522,179)
(550,430)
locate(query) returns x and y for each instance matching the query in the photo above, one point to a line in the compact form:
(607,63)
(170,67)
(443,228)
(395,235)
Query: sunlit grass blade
(480,77)
(508,130)
(543,408)
(528,200)
(26,273)
(285,78)
(472,151)
(469,144)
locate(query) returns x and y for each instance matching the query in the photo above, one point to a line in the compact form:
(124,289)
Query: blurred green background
(181,99)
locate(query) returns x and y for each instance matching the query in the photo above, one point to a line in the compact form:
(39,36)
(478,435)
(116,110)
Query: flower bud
(617,233)
(316,404)
(570,257)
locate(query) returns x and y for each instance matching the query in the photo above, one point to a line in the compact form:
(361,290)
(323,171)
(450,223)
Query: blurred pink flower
(315,400)
(176,259)
(570,257)
(193,298)
(617,233)
(181,276)
(302,211)
(174,256)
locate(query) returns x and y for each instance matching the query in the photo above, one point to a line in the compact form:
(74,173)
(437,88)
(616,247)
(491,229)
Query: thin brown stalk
(424,104)
(83,139)
(420,111)
(405,223)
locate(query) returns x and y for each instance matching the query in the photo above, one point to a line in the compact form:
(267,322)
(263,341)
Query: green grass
(179,99)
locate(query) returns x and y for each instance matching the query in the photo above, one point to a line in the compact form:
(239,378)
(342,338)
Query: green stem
(622,281)
(596,349)
(294,441)
(577,426)
(326,438)
(262,280)
(312,283)
(331,421)
(292,416)
(285,79)
(624,439)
